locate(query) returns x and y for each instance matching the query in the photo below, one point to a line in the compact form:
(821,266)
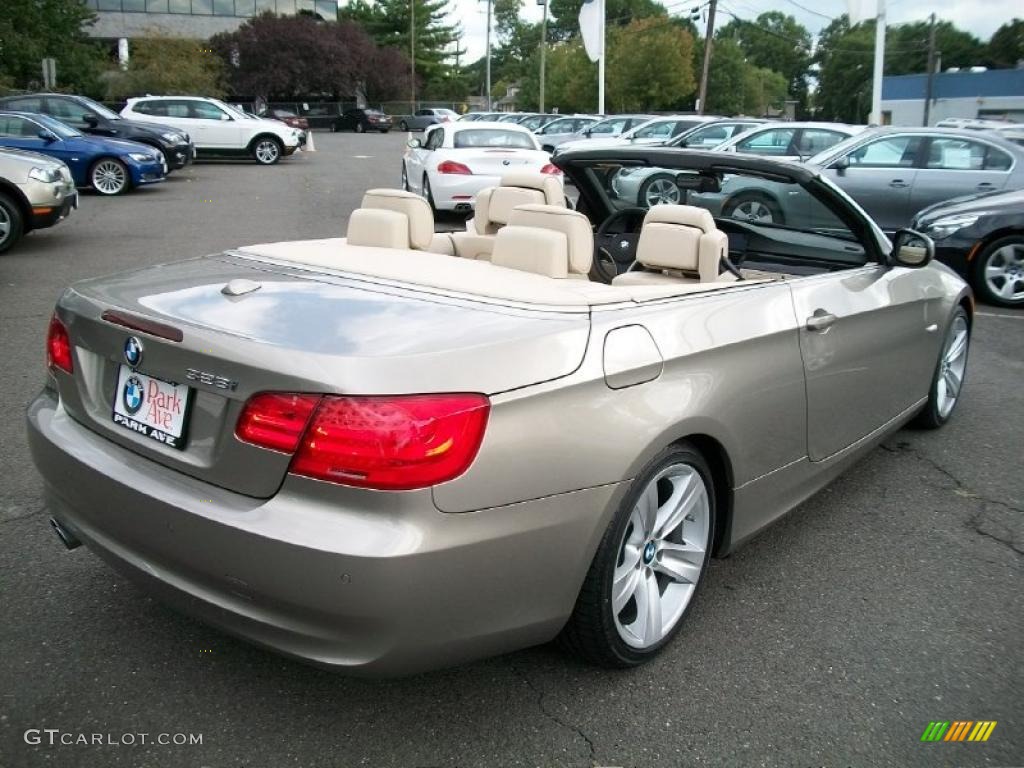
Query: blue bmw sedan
(110,166)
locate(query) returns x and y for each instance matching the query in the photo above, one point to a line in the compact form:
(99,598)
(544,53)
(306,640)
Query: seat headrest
(529,249)
(494,204)
(682,238)
(686,215)
(378,228)
(545,182)
(574,225)
(415,208)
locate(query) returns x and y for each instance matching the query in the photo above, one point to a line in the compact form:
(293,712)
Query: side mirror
(91,120)
(840,165)
(224,117)
(48,136)
(587,133)
(414,143)
(911,249)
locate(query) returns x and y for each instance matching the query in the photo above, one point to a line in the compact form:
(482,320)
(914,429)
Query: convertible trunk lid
(282,331)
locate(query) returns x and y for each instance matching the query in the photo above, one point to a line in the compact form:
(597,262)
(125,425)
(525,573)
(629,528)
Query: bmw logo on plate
(133,352)
(132,395)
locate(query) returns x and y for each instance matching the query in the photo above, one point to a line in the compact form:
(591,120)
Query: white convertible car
(455,161)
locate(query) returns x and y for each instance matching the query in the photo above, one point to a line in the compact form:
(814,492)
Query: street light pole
(708,42)
(543,49)
(931,72)
(489,55)
(412,54)
(879,67)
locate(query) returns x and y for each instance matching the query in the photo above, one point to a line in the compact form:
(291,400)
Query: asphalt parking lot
(891,599)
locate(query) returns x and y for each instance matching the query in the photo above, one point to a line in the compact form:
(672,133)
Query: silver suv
(35,192)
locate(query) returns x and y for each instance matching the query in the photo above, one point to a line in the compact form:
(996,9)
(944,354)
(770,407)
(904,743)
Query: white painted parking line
(363,157)
(1000,314)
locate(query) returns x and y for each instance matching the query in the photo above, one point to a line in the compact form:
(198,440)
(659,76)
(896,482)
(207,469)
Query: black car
(94,119)
(982,238)
(361,120)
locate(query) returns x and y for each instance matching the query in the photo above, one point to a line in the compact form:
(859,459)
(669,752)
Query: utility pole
(543,49)
(931,71)
(489,2)
(708,40)
(412,54)
(879,68)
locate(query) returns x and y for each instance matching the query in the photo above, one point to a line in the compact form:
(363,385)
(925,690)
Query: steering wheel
(612,249)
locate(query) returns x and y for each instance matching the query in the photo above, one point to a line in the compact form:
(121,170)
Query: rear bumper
(372,583)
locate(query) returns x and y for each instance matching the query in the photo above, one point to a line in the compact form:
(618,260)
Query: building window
(155,6)
(179,6)
(266,5)
(245,7)
(286,7)
(304,6)
(136,6)
(327,10)
(109,5)
(223,7)
(202,7)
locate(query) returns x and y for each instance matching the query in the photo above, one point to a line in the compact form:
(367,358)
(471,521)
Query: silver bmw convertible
(400,449)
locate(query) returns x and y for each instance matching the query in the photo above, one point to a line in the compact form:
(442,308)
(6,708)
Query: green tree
(764,90)
(571,79)
(1006,47)
(650,66)
(436,43)
(845,58)
(31,30)
(906,48)
(727,79)
(166,65)
(776,42)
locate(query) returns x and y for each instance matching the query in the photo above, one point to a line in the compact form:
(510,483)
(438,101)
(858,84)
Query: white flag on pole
(861,10)
(591,29)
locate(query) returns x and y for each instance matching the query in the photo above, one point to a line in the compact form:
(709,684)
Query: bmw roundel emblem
(132,395)
(133,351)
(506,162)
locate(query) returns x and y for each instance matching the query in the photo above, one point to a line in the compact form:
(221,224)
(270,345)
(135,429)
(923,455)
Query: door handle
(898,184)
(820,320)
(985,185)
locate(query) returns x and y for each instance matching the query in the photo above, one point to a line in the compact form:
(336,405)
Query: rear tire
(360,128)
(404,126)
(12,223)
(949,376)
(427,193)
(998,272)
(620,615)
(405,178)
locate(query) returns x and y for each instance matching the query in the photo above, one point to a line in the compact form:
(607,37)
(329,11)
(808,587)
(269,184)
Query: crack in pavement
(974,522)
(555,718)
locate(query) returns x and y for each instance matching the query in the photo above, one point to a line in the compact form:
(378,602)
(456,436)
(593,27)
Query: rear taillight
(450,166)
(58,347)
(394,443)
(551,168)
(275,420)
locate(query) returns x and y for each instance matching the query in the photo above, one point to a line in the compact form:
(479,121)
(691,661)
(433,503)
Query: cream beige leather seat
(678,243)
(547,240)
(394,218)
(494,205)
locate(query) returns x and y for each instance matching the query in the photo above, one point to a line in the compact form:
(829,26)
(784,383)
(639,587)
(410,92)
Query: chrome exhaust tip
(67,538)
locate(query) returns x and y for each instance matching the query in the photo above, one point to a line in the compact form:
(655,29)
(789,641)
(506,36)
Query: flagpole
(600,65)
(876,82)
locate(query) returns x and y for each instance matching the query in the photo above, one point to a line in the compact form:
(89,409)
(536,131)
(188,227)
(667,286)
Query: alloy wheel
(952,366)
(661,192)
(109,177)
(1004,272)
(661,556)
(754,210)
(267,151)
(5,225)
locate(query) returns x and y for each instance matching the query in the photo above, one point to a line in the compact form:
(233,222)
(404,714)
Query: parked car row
(51,142)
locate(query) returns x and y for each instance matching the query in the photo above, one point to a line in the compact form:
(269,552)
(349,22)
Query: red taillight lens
(551,168)
(450,166)
(58,346)
(275,420)
(392,443)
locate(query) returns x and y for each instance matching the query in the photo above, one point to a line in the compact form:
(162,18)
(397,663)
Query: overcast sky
(977,17)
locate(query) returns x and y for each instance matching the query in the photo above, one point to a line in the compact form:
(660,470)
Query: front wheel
(948,380)
(266,150)
(109,176)
(403,125)
(359,128)
(12,223)
(756,209)
(649,565)
(998,272)
(660,189)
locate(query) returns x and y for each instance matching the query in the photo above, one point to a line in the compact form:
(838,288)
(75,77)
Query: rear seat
(394,218)
(547,240)
(493,209)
